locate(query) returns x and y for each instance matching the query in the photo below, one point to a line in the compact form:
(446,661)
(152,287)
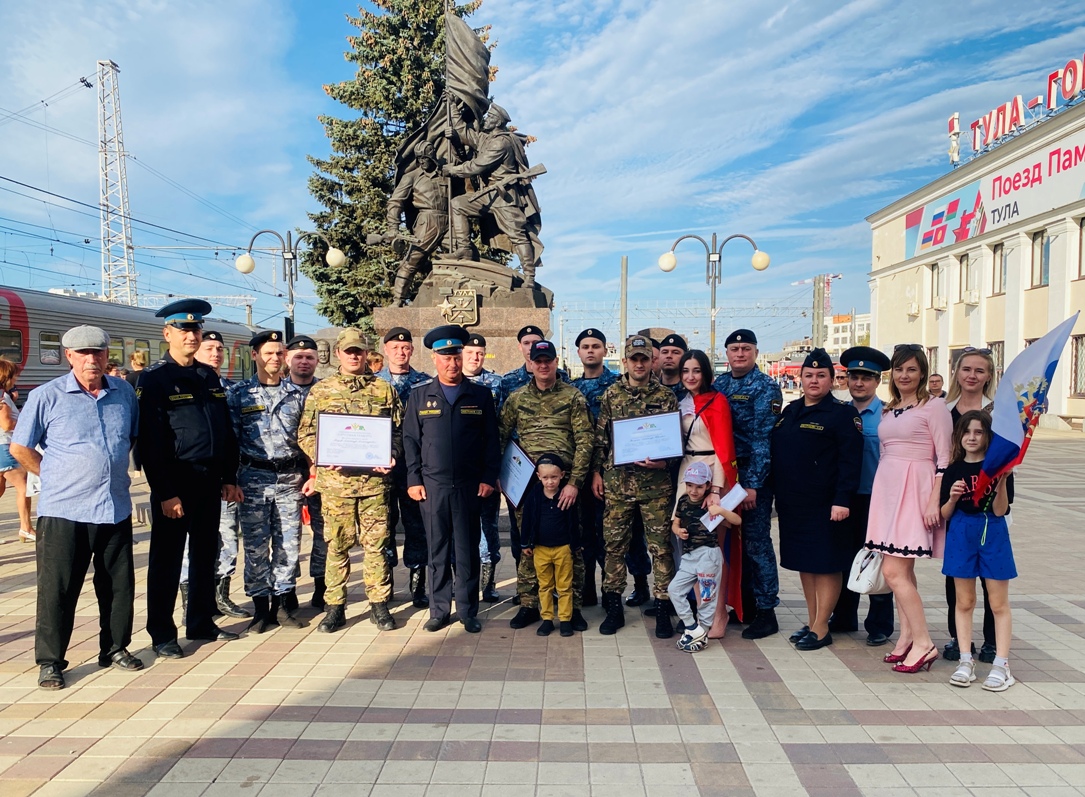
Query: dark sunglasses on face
(908,346)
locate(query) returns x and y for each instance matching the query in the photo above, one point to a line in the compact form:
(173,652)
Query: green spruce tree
(400,58)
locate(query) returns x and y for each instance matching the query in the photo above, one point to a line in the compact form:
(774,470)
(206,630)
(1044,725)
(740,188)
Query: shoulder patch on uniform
(253,408)
(858,422)
(181,397)
(139,392)
(777,406)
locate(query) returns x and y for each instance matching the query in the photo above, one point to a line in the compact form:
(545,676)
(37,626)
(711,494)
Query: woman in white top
(12,473)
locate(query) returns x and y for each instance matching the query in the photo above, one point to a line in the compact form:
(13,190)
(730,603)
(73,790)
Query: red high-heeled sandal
(923,663)
(893,658)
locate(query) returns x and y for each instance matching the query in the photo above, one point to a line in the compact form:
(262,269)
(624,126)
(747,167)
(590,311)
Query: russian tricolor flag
(1020,400)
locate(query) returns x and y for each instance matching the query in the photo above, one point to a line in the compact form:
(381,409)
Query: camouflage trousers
(318,556)
(270,530)
(527,580)
(618,518)
(346,522)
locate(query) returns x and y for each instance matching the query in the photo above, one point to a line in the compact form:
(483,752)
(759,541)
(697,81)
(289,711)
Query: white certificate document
(353,441)
(516,472)
(735,496)
(647,437)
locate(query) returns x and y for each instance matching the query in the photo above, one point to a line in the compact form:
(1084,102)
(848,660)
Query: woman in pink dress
(905,522)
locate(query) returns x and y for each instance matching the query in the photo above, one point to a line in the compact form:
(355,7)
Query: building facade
(844,331)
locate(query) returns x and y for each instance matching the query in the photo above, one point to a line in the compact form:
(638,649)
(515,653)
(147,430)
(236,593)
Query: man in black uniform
(450,443)
(189,453)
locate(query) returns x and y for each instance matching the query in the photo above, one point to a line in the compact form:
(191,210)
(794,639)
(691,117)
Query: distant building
(844,331)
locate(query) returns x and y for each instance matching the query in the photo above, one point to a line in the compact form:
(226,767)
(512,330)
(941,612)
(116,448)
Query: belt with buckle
(275,465)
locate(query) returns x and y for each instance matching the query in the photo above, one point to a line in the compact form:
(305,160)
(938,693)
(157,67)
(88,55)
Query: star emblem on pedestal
(446,307)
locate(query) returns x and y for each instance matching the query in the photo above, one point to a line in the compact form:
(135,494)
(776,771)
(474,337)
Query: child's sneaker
(566,627)
(545,629)
(694,640)
(999,679)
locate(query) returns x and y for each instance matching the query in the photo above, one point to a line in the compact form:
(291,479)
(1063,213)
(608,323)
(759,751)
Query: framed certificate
(353,441)
(516,472)
(647,437)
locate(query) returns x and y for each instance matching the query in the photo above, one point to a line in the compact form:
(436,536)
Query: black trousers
(402,507)
(453,520)
(201,502)
(988,615)
(65,549)
(879,618)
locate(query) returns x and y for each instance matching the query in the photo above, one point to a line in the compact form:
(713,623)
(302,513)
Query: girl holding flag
(978,546)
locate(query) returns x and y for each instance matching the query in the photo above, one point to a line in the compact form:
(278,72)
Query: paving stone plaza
(298,713)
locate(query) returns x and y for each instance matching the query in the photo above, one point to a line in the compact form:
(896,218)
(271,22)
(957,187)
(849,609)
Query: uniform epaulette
(424,382)
(154,366)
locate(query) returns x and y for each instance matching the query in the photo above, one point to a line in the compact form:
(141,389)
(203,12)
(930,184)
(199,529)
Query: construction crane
(823,304)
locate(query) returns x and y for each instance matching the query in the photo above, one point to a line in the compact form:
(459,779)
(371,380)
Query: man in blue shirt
(865,366)
(85,424)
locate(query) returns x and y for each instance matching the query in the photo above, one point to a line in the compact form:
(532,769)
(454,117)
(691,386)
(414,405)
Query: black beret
(476,340)
(741,336)
(530,329)
(210,334)
(818,358)
(865,358)
(592,333)
(677,341)
(446,339)
(550,459)
(260,338)
(301,342)
(398,333)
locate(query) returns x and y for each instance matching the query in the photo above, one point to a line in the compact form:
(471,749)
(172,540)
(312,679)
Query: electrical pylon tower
(118,272)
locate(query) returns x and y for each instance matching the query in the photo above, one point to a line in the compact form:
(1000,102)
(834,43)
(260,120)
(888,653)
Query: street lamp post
(245,264)
(713,275)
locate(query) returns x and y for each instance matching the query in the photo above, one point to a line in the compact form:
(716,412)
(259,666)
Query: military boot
(764,624)
(380,617)
(335,619)
(526,253)
(589,597)
(399,289)
(664,629)
(578,623)
(615,619)
(489,591)
(289,601)
(262,619)
(184,602)
(641,594)
(417,585)
(222,599)
(319,586)
(286,616)
(525,617)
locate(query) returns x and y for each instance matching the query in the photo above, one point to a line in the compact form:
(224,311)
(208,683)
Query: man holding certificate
(350,431)
(452,460)
(637,436)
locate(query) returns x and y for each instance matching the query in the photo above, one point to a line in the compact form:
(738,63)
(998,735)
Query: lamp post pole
(713,272)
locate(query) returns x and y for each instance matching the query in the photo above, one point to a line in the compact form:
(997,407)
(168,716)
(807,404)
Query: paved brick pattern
(297,713)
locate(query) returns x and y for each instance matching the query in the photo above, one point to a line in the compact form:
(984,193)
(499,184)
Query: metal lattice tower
(118,272)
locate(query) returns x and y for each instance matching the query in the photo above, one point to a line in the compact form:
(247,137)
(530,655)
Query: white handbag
(866,574)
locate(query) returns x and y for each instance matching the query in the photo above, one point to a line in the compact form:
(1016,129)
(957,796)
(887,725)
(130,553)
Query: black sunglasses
(974,350)
(908,346)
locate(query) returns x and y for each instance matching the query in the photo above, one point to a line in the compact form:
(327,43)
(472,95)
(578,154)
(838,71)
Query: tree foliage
(399,53)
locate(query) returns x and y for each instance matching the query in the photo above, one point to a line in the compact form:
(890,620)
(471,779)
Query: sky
(789,122)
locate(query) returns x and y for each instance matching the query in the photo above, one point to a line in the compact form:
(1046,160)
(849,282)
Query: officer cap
(352,339)
(741,336)
(85,337)
(697,473)
(542,349)
(267,336)
(185,313)
(550,459)
(638,344)
(530,329)
(818,358)
(476,340)
(865,358)
(675,341)
(592,333)
(398,333)
(211,334)
(301,342)
(447,339)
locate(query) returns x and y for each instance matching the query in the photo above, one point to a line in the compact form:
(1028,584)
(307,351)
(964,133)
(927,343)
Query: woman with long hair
(905,517)
(971,387)
(707,437)
(12,473)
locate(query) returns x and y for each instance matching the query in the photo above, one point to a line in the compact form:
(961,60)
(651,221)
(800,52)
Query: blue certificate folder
(647,437)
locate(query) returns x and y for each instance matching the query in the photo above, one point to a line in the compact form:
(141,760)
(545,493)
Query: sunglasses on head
(974,350)
(908,346)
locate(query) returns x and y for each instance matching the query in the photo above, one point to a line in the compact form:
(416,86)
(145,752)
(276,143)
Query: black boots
(641,594)
(489,591)
(287,616)
(590,597)
(335,619)
(222,598)
(764,624)
(263,619)
(380,617)
(418,588)
(184,602)
(664,629)
(525,617)
(615,619)
(318,593)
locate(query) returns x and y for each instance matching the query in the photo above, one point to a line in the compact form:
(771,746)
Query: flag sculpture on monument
(1020,400)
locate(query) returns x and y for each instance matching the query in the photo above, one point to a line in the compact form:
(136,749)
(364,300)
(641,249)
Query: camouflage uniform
(490,547)
(353,500)
(756,403)
(514,380)
(554,420)
(318,554)
(265,420)
(629,488)
(401,505)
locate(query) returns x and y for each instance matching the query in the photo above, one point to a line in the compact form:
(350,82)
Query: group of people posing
(229,463)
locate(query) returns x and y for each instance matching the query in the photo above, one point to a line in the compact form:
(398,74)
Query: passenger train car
(32,324)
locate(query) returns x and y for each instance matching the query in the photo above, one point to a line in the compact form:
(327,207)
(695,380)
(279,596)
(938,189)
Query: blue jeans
(490,545)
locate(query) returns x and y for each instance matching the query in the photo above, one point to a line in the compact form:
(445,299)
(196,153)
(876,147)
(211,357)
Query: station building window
(1077,365)
(998,354)
(1001,262)
(1041,259)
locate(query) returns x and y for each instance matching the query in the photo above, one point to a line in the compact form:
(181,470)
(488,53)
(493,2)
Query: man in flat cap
(756,402)
(302,358)
(265,411)
(189,454)
(450,447)
(865,367)
(397,371)
(354,500)
(85,423)
(474,360)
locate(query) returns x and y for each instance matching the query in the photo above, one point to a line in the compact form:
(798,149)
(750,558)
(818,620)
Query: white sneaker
(999,679)
(694,640)
(965,673)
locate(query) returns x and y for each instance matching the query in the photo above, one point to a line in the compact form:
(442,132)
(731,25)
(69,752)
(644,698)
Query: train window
(49,348)
(163,349)
(116,351)
(11,345)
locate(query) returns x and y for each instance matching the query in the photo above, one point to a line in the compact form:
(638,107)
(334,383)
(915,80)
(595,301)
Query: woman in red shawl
(707,437)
